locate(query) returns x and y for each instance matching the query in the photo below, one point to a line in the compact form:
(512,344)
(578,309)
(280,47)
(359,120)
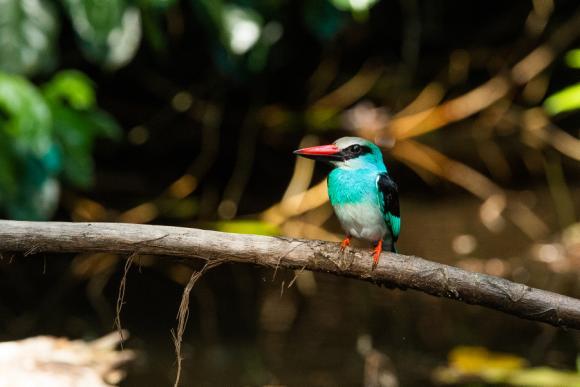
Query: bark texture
(394,270)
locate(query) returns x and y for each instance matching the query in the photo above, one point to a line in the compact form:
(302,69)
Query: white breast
(364,221)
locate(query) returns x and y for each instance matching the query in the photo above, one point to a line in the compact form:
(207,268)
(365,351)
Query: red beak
(322,150)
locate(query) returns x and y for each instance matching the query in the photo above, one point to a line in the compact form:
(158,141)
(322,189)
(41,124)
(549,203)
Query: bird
(363,195)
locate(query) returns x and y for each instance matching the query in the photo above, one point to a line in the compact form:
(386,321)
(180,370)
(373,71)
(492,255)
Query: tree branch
(394,270)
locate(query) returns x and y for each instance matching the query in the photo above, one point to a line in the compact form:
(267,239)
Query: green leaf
(573,58)
(29,159)
(71,86)
(247,227)
(564,100)
(109,30)
(28,34)
(34,193)
(52,160)
(28,188)
(29,121)
(37,201)
(44,135)
(76,123)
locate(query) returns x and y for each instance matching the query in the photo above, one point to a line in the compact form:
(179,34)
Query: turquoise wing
(389,202)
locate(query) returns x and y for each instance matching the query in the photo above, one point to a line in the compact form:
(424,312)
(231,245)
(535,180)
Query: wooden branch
(394,270)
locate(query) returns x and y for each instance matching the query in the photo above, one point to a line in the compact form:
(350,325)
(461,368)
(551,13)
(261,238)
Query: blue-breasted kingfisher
(364,196)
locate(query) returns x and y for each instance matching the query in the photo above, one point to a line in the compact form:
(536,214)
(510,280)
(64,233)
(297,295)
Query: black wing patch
(389,197)
(390,193)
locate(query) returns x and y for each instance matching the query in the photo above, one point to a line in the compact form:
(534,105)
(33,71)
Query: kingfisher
(364,196)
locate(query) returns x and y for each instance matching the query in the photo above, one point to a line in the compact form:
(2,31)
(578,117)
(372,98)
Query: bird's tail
(394,248)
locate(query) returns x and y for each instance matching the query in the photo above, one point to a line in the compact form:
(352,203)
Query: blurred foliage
(478,366)
(572,58)
(109,31)
(28,35)
(247,227)
(567,99)
(477,360)
(46,134)
(47,131)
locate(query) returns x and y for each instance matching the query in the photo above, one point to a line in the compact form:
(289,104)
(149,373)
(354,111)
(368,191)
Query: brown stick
(394,270)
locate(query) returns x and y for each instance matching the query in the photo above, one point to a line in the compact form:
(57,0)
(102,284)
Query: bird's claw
(345,243)
(376,254)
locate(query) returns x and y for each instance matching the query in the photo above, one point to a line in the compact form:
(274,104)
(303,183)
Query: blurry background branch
(394,270)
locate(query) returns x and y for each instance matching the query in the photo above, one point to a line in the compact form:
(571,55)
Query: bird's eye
(356,148)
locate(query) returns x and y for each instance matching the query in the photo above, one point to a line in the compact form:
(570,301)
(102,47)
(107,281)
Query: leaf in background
(38,190)
(476,360)
(27,188)
(77,122)
(75,136)
(30,158)
(73,87)
(354,5)
(565,100)
(28,32)
(8,175)
(29,122)
(478,364)
(247,227)
(39,203)
(109,30)
(573,58)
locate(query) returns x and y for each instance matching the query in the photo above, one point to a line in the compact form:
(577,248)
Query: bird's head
(347,153)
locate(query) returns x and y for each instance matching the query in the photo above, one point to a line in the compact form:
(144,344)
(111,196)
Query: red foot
(377,253)
(345,243)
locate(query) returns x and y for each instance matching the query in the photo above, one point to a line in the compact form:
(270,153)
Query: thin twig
(183,314)
(121,298)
